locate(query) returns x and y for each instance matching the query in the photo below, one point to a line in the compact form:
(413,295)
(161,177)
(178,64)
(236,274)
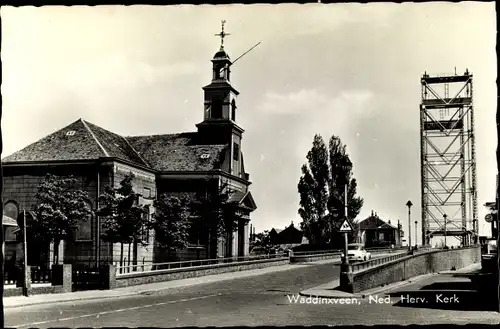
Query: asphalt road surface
(250,301)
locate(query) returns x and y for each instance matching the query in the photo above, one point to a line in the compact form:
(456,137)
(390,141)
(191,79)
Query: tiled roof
(374,222)
(82,140)
(115,145)
(81,145)
(177,152)
(78,141)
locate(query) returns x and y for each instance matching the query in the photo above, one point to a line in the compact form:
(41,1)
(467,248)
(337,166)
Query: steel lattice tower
(448,159)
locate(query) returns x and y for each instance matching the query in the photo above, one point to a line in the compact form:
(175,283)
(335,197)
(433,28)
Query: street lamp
(445,217)
(416,243)
(409,204)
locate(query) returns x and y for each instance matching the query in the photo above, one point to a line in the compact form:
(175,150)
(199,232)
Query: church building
(191,162)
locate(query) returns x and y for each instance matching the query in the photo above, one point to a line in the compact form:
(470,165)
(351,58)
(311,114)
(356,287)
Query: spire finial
(222,35)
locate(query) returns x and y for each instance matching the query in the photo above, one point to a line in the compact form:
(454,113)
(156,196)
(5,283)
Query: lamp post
(416,243)
(409,204)
(345,268)
(445,217)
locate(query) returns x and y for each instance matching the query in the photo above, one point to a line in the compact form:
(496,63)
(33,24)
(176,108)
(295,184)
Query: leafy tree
(123,219)
(263,240)
(60,206)
(214,213)
(322,191)
(171,223)
(313,190)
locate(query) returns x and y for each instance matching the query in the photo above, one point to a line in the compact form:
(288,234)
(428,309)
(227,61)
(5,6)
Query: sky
(352,70)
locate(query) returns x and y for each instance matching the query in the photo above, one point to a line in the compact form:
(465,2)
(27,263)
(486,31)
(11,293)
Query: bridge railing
(377,261)
(197,263)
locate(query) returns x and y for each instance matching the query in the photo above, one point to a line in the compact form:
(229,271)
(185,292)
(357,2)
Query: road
(249,301)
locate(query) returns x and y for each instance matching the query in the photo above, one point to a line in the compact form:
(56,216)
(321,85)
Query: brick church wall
(144,183)
(21,184)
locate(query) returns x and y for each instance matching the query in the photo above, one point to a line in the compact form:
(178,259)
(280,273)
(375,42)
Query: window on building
(236,151)
(233,110)
(145,230)
(216,109)
(11,210)
(147,193)
(84,229)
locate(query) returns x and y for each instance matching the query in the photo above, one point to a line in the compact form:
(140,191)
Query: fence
(193,263)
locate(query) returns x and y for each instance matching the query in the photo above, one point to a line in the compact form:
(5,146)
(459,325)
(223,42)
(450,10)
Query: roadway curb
(327,293)
(70,300)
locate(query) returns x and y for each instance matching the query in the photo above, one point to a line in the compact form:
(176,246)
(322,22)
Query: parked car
(357,252)
(489,256)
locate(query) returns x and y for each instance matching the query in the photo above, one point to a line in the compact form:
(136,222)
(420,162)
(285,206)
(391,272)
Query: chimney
(389,221)
(291,224)
(372,213)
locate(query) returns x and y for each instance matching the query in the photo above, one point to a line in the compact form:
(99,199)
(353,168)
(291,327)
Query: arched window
(84,228)
(216,109)
(11,210)
(233,110)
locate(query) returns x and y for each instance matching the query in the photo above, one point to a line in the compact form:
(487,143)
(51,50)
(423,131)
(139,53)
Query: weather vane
(222,35)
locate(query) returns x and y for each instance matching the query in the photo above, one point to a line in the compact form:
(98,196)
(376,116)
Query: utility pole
(25,250)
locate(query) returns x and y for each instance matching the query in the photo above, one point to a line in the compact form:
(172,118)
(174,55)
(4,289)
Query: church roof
(78,141)
(177,152)
(83,140)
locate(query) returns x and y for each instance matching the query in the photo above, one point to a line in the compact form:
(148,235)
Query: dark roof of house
(374,222)
(82,140)
(177,152)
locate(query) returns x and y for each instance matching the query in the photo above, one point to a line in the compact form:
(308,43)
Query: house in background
(195,163)
(290,236)
(375,232)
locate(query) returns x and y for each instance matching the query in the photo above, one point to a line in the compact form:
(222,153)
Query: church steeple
(219,118)
(220,96)
(221,61)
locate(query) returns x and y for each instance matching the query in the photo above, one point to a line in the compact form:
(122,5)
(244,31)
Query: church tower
(220,109)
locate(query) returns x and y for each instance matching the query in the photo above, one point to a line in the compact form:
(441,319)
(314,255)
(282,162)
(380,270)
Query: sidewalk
(19,301)
(331,289)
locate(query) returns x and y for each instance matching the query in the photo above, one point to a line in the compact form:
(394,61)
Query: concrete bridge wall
(414,265)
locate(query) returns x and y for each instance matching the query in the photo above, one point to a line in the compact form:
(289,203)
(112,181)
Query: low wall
(61,283)
(137,278)
(312,258)
(337,254)
(414,265)
(11,292)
